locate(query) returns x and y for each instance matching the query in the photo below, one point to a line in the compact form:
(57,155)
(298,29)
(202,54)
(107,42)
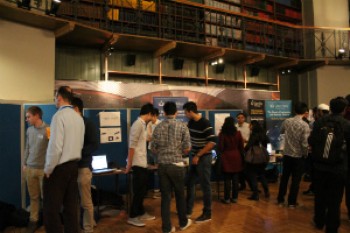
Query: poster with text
(109,119)
(109,135)
(276,111)
(219,121)
(159,102)
(256,110)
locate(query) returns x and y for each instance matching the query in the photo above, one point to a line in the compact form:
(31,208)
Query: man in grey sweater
(37,139)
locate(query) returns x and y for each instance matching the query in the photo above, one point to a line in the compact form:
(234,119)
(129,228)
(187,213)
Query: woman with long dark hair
(257,138)
(230,147)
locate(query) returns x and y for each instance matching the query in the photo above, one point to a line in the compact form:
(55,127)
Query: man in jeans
(171,139)
(203,141)
(296,132)
(137,160)
(34,161)
(84,172)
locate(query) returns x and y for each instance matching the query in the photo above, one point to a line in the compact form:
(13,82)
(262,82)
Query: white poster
(219,121)
(109,119)
(109,135)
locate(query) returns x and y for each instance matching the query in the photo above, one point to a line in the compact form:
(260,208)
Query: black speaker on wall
(178,63)
(220,68)
(130,59)
(254,71)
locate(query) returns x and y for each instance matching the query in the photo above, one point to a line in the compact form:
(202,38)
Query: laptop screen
(99,162)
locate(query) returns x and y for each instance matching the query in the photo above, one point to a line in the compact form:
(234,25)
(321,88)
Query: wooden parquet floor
(244,217)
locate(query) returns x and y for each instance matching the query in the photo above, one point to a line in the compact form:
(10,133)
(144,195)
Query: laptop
(99,164)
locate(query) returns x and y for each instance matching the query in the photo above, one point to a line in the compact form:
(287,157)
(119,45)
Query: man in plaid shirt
(171,139)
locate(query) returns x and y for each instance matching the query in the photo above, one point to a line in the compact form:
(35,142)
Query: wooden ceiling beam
(164,49)
(313,67)
(64,29)
(286,64)
(216,54)
(251,60)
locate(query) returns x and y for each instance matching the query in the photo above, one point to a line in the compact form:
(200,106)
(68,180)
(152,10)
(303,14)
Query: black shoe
(309,192)
(203,218)
(225,201)
(32,226)
(241,188)
(254,198)
(234,200)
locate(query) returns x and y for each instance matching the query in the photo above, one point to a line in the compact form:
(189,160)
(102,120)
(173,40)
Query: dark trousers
(347,194)
(230,181)
(253,171)
(61,190)
(140,186)
(291,167)
(329,188)
(203,171)
(171,178)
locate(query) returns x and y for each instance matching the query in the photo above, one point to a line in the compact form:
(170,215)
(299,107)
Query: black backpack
(329,145)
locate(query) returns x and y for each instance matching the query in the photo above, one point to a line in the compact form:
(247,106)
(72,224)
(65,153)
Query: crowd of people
(58,158)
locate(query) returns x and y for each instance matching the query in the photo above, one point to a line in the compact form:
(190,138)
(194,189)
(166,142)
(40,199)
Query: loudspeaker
(130,59)
(220,68)
(178,63)
(254,71)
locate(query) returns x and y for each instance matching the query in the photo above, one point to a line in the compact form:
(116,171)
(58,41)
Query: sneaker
(280,204)
(189,223)
(226,201)
(173,229)
(234,200)
(32,226)
(317,226)
(136,222)
(309,193)
(146,217)
(292,206)
(203,218)
(155,196)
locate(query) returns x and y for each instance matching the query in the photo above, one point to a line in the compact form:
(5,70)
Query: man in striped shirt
(203,141)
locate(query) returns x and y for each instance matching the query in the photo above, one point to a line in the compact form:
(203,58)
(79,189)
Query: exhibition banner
(276,111)
(256,110)
(159,102)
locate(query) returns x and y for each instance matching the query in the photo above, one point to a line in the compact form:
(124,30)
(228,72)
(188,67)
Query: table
(115,173)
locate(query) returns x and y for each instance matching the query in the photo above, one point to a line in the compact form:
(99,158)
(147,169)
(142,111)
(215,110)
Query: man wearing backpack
(329,141)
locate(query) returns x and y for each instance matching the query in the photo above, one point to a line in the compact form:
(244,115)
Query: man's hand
(195,160)
(127,170)
(47,176)
(24,168)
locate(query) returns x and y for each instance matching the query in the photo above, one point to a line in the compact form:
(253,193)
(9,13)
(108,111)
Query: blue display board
(10,151)
(48,111)
(233,113)
(116,152)
(159,102)
(276,112)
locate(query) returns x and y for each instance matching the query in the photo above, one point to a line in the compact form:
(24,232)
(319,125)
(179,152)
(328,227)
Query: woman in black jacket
(257,138)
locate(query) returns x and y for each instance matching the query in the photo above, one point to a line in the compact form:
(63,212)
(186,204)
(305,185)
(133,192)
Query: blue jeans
(203,172)
(171,178)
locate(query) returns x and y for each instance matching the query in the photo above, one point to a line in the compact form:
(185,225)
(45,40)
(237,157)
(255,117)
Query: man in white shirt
(137,160)
(61,166)
(243,127)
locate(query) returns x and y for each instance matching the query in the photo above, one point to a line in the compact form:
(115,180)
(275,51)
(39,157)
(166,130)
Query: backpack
(329,143)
